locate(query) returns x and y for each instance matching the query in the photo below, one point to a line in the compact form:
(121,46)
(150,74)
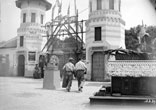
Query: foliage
(132,41)
(152,31)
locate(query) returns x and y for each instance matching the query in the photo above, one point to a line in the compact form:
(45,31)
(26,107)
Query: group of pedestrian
(78,71)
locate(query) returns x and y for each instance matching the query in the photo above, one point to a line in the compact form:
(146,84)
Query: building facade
(104,30)
(7,58)
(29,38)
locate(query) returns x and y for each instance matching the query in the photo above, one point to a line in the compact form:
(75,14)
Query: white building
(23,51)
(104,30)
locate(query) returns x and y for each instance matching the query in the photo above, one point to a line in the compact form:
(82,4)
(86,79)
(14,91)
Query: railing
(132,68)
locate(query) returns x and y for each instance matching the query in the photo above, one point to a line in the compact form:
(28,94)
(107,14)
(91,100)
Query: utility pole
(82,32)
(76,24)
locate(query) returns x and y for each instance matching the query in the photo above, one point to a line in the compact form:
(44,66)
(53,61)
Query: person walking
(81,69)
(69,69)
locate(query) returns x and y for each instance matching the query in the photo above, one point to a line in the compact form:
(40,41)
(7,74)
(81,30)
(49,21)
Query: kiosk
(133,78)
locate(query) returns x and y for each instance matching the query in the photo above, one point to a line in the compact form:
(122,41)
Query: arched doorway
(21,65)
(98,67)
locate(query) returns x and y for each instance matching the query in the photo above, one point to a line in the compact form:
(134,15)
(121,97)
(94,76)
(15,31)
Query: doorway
(21,65)
(98,66)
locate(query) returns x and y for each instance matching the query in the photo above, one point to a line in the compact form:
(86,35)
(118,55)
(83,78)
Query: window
(90,6)
(99,4)
(41,19)
(111,4)
(24,17)
(97,33)
(33,17)
(21,41)
(32,56)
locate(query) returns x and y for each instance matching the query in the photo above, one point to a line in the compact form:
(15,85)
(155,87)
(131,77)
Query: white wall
(12,60)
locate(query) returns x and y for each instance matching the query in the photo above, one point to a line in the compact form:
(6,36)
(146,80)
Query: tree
(131,40)
(152,31)
(147,41)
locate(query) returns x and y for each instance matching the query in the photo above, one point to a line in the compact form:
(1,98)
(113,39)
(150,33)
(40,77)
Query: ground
(17,93)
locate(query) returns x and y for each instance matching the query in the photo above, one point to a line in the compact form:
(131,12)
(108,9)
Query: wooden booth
(133,77)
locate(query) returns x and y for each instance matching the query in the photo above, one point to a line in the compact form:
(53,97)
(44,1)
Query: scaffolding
(64,26)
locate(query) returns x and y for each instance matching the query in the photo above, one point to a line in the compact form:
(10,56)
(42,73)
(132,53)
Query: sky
(133,12)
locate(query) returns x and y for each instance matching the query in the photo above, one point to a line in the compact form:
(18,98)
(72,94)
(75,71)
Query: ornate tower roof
(47,4)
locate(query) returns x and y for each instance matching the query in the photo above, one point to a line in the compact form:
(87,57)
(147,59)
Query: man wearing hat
(68,76)
(80,68)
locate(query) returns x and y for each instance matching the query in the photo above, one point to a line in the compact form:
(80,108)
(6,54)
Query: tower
(104,30)
(29,34)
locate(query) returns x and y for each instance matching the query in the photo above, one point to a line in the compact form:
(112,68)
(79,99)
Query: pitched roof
(9,44)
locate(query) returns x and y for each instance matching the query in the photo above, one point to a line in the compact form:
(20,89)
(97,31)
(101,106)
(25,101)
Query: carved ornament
(132,68)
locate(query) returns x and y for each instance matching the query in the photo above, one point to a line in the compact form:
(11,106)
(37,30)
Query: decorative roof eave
(106,19)
(104,12)
(153,2)
(8,47)
(48,5)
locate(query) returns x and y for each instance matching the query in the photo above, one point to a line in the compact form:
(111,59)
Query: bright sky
(133,12)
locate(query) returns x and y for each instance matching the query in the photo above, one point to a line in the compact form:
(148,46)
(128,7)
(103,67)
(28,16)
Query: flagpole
(68,13)
(75,7)
(0,11)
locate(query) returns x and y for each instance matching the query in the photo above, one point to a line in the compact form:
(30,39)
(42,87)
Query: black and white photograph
(77,54)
